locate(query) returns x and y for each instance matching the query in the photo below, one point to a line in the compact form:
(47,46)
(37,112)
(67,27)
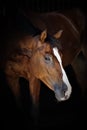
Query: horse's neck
(70,22)
(77,17)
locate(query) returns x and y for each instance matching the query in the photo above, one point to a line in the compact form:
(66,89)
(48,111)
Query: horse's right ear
(58,34)
(43,35)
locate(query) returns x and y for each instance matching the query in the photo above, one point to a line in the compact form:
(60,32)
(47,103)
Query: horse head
(45,64)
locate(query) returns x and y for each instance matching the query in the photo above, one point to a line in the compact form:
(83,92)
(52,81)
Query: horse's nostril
(64,87)
(66,96)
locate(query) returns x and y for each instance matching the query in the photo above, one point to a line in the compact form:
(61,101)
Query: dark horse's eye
(48,58)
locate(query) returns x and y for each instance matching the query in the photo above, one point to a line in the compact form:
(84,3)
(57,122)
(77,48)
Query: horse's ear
(58,34)
(43,35)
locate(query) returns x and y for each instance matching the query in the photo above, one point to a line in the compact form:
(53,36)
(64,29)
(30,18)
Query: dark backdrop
(69,114)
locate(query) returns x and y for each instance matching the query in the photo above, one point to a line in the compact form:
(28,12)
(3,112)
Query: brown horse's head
(46,65)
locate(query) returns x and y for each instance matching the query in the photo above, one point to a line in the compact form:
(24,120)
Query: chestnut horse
(35,59)
(72,23)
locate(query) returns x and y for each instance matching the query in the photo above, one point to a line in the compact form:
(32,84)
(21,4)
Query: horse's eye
(48,58)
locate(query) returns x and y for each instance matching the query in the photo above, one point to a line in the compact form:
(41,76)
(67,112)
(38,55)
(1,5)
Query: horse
(36,59)
(73,40)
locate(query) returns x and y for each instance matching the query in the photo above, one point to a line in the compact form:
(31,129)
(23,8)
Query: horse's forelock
(53,41)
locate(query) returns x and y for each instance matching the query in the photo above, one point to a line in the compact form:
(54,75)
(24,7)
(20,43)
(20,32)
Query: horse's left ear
(58,34)
(43,35)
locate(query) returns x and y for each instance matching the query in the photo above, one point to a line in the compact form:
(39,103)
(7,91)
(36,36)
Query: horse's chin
(61,98)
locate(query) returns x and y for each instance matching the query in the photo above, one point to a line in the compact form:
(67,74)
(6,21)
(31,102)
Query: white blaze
(65,78)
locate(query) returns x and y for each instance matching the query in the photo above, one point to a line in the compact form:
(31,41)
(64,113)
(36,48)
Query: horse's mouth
(60,97)
(61,93)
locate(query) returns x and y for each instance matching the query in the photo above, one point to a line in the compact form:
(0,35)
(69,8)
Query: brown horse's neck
(71,24)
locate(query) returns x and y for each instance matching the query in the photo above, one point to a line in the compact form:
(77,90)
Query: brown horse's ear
(43,35)
(58,34)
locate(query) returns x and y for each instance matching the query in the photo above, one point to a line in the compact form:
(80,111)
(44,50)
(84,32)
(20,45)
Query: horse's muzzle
(61,92)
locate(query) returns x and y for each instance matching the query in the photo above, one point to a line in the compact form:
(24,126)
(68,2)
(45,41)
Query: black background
(69,114)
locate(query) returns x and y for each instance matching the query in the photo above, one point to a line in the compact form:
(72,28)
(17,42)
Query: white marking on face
(65,78)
